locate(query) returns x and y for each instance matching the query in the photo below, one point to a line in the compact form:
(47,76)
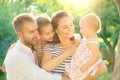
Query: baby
(87,58)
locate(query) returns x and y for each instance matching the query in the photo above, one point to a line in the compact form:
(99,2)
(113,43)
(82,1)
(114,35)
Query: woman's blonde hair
(93,21)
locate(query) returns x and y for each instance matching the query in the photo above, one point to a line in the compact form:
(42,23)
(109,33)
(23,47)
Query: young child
(87,58)
(45,29)
(46,34)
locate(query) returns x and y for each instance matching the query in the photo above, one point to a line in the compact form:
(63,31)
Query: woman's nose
(51,35)
(70,29)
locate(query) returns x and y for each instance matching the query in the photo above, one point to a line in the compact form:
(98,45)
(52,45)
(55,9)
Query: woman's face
(65,27)
(47,33)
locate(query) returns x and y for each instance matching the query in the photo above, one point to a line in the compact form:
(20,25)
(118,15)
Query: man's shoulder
(13,55)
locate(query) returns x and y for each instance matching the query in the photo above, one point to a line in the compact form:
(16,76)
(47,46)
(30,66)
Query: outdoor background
(105,9)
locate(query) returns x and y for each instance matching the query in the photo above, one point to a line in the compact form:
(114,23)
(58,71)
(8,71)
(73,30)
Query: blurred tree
(116,72)
(110,25)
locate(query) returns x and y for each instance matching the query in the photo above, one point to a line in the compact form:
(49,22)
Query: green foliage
(107,76)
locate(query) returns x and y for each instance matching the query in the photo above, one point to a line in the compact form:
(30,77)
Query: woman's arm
(94,48)
(49,64)
(101,70)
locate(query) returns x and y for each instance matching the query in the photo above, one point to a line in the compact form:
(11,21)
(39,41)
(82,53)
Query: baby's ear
(91,28)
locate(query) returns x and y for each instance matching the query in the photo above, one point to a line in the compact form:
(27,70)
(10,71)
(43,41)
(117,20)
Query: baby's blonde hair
(93,21)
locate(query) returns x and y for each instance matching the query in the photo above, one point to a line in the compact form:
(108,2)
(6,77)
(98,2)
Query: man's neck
(25,43)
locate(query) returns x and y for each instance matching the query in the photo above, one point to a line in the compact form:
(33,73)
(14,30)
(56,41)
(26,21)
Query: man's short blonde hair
(19,20)
(93,21)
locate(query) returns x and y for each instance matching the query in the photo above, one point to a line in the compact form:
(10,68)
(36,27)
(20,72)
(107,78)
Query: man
(20,62)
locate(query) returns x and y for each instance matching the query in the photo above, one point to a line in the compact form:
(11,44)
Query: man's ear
(18,33)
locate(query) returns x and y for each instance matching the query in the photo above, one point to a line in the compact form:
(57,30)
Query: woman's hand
(101,70)
(90,78)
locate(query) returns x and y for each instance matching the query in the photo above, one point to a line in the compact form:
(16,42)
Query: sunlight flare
(80,3)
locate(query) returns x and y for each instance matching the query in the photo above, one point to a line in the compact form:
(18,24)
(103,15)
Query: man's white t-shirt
(20,65)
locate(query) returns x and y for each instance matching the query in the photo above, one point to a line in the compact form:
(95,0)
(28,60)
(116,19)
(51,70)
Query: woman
(58,54)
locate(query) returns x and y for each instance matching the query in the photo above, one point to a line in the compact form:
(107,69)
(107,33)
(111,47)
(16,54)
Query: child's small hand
(65,78)
(77,42)
(66,75)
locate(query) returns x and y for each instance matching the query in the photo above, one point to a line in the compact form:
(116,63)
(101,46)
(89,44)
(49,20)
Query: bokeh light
(80,3)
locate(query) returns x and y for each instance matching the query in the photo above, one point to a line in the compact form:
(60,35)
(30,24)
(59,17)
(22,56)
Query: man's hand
(3,68)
